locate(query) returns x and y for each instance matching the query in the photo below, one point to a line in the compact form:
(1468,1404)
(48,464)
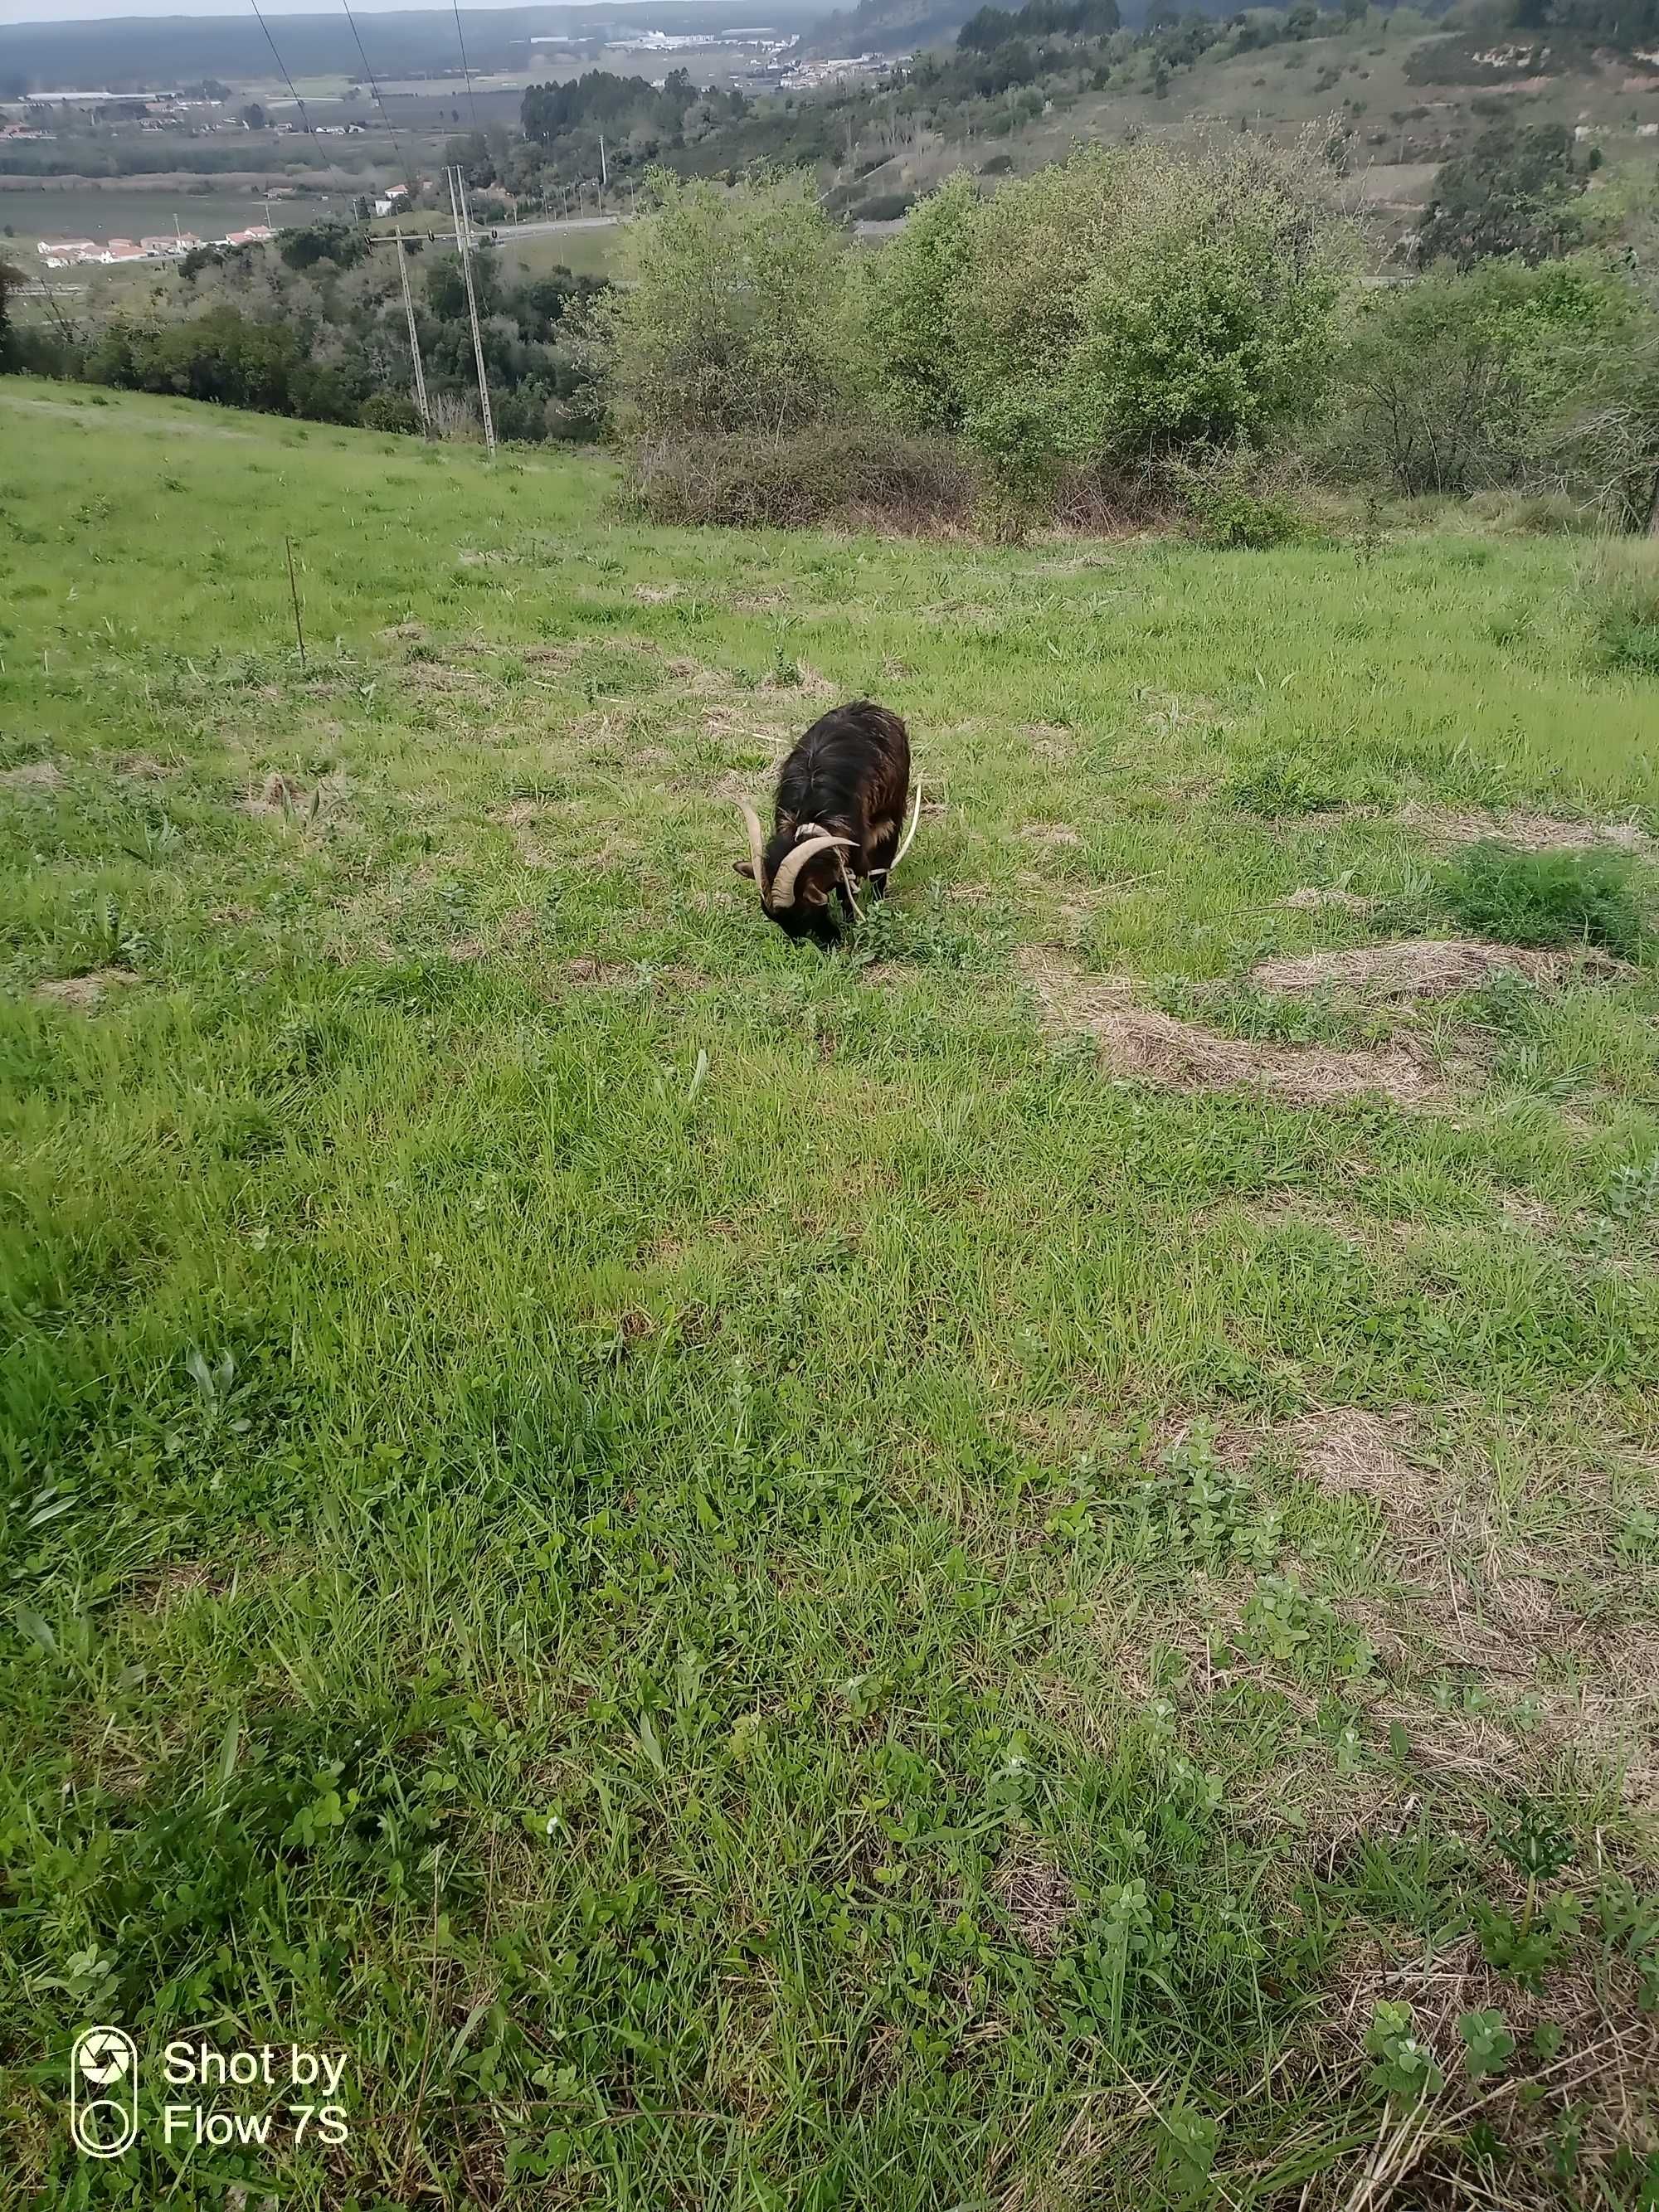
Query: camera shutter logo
(104,2092)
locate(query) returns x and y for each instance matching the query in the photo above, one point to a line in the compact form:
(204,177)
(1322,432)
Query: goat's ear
(744,868)
(815,895)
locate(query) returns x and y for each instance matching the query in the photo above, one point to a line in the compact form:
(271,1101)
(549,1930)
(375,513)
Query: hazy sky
(77,11)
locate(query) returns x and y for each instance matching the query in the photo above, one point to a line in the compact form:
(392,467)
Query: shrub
(857,474)
(1126,304)
(1545,898)
(736,316)
(1229,505)
(1500,377)
(910,314)
(389,410)
(1510,193)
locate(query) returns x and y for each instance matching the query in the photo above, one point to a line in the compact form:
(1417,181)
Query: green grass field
(927,1578)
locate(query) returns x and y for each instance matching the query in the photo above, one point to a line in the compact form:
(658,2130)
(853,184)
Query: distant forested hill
(167,52)
(889,26)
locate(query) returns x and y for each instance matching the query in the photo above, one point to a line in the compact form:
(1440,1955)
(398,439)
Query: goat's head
(797,875)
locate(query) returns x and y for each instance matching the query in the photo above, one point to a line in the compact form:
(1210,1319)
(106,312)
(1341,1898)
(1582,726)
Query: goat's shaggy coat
(838,814)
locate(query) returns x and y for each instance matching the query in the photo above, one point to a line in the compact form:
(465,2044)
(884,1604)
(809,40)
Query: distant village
(68,252)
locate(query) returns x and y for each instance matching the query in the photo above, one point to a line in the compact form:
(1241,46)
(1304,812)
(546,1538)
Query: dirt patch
(281,797)
(1533,833)
(521,813)
(1415,968)
(33,775)
(1156,1047)
(1308,900)
(403,633)
(1051,836)
(656,595)
(1039,1902)
(81,991)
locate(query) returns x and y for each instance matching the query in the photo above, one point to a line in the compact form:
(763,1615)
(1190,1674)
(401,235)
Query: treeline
(142,156)
(1626,24)
(1068,19)
(322,334)
(548,111)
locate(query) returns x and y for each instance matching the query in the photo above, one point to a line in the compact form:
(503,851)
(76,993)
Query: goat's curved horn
(910,835)
(757,846)
(783,883)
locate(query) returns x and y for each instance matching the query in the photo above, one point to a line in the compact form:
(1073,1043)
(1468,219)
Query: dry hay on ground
(1533,833)
(81,991)
(594,974)
(1471,1604)
(1601,2082)
(1310,900)
(1051,835)
(1418,967)
(33,775)
(1156,1047)
(285,798)
(1039,1900)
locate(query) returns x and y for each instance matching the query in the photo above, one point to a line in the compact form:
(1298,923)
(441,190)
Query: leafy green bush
(1545,898)
(736,319)
(1124,305)
(1228,506)
(910,314)
(1506,376)
(389,410)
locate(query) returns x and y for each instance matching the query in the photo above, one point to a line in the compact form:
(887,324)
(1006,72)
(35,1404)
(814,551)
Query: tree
(1545,378)
(339,242)
(911,317)
(471,153)
(252,117)
(1512,192)
(1129,304)
(738,318)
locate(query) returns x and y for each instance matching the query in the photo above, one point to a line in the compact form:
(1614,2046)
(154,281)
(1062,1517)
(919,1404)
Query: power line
(472,104)
(282,65)
(304,117)
(392,128)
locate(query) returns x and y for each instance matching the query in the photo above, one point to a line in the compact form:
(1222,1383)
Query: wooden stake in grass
(294,593)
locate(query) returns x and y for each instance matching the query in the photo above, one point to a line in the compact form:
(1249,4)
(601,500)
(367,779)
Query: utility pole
(604,172)
(414,338)
(458,202)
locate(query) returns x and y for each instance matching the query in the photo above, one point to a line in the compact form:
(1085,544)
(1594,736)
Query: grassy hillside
(1401,91)
(895,1580)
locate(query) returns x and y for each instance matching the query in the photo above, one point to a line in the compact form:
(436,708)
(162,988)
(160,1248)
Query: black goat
(841,800)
